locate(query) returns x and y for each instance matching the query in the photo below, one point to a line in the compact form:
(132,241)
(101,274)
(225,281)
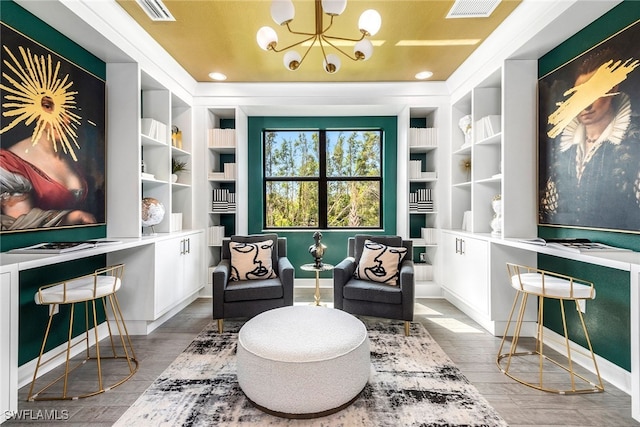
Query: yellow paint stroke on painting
(33,82)
(581,96)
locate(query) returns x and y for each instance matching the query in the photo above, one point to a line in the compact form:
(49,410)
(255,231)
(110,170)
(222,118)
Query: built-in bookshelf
(142,114)
(423,188)
(498,145)
(222,176)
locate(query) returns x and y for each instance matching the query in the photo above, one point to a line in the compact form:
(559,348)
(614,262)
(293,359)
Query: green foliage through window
(322,178)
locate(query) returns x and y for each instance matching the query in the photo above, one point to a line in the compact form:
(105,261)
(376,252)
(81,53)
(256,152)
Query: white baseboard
(609,372)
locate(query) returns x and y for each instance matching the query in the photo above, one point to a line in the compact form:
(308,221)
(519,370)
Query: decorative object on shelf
(176,137)
(177,167)
(466,221)
(465,165)
(152,213)
(143,166)
(317,249)
(283,12)
(496,222)
(465,124)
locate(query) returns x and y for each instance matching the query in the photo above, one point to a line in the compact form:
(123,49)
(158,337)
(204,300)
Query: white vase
(174,177)
(496,222)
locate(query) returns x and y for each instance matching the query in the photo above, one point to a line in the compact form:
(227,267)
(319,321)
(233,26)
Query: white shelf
(502,163)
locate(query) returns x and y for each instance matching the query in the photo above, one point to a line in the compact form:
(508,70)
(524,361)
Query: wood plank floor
(469,346)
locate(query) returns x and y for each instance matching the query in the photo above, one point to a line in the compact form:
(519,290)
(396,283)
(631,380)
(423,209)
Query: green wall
(298,241)
(607,316)
(33,318)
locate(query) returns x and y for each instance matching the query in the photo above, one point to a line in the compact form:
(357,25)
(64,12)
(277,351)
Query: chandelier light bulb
(363,50)
(292,60)
(370,22)
(331,63)
(282,11)
(267,38)
(334,7)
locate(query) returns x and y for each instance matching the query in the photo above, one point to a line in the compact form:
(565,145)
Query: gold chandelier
(282,12)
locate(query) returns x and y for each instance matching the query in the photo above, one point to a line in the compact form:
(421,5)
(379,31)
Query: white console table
(148,297)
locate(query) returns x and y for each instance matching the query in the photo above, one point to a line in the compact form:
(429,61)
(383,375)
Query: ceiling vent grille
(156,10)
(472,8)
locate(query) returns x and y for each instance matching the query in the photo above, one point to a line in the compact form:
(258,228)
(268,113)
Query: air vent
(473,8)
(156,10)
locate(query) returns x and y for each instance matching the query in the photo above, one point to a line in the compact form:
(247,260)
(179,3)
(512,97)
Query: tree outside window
(323,178)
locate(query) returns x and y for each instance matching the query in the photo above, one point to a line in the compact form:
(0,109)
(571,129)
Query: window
(322,178)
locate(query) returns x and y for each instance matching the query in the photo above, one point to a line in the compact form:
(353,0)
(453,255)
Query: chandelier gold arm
(321,37)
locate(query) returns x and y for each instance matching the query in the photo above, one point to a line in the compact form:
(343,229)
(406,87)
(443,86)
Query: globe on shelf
(152,212)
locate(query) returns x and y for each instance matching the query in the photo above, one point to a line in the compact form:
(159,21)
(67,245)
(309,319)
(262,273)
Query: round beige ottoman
(303,361)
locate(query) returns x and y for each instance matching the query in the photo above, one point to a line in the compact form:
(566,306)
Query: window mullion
(322,183)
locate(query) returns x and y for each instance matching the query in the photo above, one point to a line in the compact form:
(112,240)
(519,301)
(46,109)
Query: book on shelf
(421,201)
(423,137)
(154,129)
(221,138)
(577,245)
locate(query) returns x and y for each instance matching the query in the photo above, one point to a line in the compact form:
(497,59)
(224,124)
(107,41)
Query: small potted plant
(177,167)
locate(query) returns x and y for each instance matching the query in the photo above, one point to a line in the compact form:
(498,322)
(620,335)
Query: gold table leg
(317,295)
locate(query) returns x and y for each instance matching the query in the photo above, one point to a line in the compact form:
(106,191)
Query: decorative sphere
(152,212)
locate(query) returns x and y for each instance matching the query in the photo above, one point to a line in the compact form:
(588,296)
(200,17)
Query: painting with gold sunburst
(52,146)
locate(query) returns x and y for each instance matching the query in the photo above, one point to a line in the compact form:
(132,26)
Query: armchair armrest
(407,287)
(342,273)
(285,273)
(221,275)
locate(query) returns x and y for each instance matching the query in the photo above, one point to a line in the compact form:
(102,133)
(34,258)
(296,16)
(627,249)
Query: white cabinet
(465,280)
(160,279)
(177,270)
(9,334)
(475,279)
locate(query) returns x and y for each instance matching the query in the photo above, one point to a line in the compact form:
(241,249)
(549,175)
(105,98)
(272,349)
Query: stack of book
(229,170)
(223,201)
(216,234)
(415,169)
(429,235)
(423,137)
(154,129)
(423,271)
(222,138)
(487,126)
(421,201)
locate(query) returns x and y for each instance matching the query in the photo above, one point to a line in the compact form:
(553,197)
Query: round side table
(312,267)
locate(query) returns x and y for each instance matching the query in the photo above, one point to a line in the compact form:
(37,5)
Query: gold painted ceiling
(220,35)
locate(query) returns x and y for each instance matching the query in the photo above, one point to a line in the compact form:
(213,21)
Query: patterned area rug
(412,383)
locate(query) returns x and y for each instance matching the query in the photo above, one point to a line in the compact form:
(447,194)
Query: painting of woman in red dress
(52,157)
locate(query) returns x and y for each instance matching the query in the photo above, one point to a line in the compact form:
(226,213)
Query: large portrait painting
(52,139)
(589,139)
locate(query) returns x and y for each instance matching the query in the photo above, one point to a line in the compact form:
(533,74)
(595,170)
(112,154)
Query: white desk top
(623,260)
(26,261)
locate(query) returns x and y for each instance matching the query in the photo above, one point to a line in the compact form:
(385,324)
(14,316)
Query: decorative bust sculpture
(317,249)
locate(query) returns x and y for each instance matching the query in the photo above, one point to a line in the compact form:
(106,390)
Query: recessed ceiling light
(218,76)
(422,75)
(156,10)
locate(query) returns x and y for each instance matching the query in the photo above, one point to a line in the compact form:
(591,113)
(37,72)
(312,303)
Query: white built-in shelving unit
(502,157)
(423,193)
